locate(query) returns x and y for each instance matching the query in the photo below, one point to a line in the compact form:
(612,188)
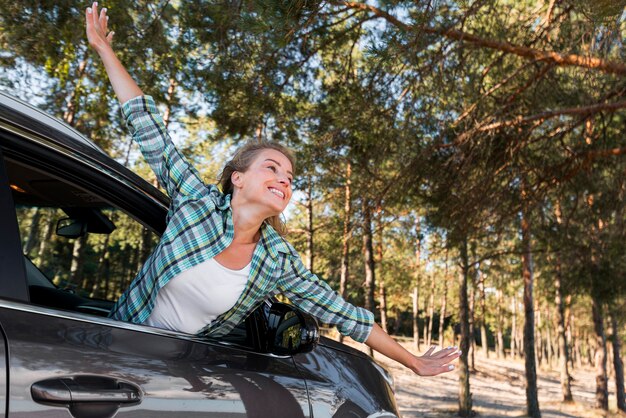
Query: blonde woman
(222,252)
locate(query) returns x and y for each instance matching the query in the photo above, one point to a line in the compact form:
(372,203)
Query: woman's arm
(430,364)
(311,294)
(97,27)
(173,171)
(314,296)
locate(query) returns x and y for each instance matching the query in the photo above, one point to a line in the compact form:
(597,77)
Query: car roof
(18,112)
(35,124)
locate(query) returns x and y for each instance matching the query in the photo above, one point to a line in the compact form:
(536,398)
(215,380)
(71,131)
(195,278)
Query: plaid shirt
(200,226)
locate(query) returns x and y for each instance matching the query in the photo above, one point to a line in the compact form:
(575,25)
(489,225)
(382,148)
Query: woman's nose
(284,180)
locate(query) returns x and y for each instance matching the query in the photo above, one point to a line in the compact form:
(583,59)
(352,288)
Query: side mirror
(71,228)
(290,331)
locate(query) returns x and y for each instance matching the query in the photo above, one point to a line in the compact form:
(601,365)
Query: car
(76,226)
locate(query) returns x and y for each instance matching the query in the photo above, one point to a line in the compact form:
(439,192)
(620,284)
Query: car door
(144,374)
(70,359)
(9,250)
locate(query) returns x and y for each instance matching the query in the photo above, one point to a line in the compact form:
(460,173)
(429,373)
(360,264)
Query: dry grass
(497,391)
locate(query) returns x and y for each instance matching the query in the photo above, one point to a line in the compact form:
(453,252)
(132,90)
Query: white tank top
(195,297)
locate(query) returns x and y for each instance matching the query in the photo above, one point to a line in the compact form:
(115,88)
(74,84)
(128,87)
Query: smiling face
(266,184)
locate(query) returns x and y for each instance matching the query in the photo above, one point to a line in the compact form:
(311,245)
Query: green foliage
(433,127)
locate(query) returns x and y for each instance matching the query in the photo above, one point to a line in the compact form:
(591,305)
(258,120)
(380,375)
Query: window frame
(96,172)
(115,188)
(11,257)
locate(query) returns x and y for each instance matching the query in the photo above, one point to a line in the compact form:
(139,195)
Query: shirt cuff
(360,328)
(139,104)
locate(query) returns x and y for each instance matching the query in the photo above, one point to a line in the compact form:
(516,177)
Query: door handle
(86,396)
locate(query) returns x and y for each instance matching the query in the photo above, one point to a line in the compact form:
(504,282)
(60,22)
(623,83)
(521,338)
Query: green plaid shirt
(200,226)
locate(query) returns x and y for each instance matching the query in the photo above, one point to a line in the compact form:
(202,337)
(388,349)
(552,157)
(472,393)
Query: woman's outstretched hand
(432,362)
(97,26)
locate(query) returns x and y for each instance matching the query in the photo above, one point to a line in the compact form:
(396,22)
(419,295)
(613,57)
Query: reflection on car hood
(334,345)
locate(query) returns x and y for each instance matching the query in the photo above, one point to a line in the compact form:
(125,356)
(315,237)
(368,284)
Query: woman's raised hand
(100,40)
(97,25)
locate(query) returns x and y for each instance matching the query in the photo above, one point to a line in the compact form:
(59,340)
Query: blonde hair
(242,160)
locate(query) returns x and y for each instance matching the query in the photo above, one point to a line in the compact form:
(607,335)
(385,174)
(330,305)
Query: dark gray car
(75,226)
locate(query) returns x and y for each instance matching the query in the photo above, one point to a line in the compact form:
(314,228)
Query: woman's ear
(236,179)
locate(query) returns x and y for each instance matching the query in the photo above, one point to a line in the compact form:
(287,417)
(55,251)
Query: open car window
(80,252)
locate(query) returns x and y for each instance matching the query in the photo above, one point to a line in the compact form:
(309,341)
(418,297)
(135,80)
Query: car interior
(72,213)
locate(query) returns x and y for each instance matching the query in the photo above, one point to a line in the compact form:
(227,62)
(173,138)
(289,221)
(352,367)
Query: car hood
(337,346)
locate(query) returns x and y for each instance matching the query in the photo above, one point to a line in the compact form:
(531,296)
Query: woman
(221,253)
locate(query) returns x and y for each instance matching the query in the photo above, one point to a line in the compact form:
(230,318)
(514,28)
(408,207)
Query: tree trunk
(444,300)
(472,327)
(418,277)
(576,344)
(484,343)
(514,327)
(563,350)
(538,339)
(169,99)
(532,400)
(33,232)
(129,148)
(345,242)
(78,261)
(431,310)
(69,116)
(309,214)
(569,335)
(618,364)
(548,350)
(146,246)
(416,331)
(382,294)
(500,324)
(98,289)
(125,262)
(107,276)
(602,389)
(465,396)
(588,351)
(135,257)
(383,304)
(44,245)
(425,327)
(368,259)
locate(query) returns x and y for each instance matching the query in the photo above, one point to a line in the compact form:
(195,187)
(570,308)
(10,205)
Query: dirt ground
(497,391)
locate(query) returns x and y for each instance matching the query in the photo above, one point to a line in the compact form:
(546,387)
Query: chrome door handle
(86,396)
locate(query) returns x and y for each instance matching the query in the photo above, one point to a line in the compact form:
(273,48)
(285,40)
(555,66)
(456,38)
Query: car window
(80,252)
(76,246)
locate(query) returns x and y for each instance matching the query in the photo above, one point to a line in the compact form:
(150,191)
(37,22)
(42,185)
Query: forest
(461,163)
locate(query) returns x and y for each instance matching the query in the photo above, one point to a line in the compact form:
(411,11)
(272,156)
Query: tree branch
(592,155)
(522,51)
(471,108)
(541,117)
